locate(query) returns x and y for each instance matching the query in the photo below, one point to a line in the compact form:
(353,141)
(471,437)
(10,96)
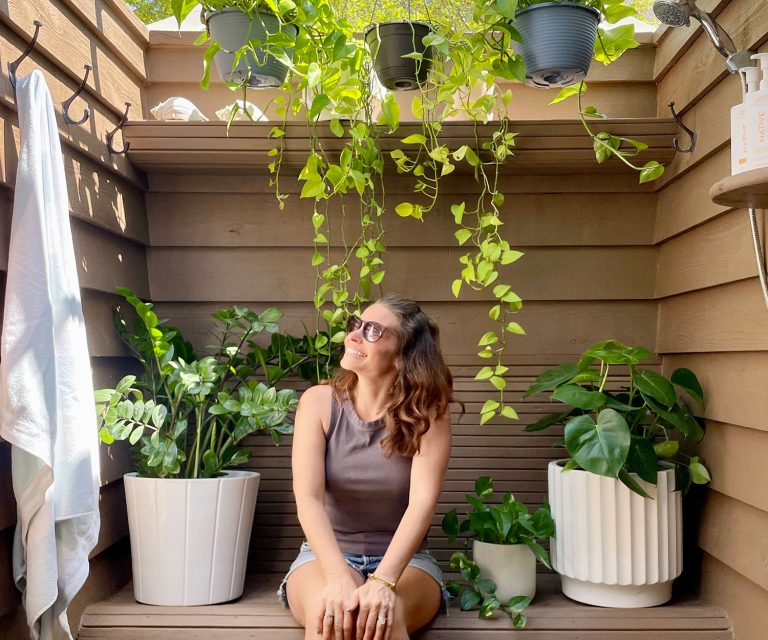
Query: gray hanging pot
(389,42)
(558,42)
(231,28)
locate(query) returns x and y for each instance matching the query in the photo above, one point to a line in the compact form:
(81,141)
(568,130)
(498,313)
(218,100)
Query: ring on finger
(381,620)
(329,615)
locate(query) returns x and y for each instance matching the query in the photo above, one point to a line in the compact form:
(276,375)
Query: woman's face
(373,358)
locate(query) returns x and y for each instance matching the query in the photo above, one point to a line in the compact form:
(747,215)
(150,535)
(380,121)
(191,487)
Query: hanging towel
(46,391)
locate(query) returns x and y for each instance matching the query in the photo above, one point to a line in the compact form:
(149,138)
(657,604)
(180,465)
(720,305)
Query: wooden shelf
(546,146)
(748,189)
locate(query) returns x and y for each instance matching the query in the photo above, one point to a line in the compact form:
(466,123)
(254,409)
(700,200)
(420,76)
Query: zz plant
(617,433)
(187,417)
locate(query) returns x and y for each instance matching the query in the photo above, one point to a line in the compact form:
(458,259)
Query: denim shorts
(366,565)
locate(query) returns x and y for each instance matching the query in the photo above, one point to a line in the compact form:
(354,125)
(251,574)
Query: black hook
(691,134)
(111,134)
(12,66)
(66,104)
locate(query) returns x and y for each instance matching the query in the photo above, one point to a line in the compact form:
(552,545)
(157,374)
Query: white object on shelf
(245,111)
(178,108)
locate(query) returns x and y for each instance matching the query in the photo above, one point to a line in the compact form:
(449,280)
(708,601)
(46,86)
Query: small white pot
(189,538)
(612,547)
(511,566)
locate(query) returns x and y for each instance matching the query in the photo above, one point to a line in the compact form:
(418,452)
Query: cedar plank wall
(109,226)
(711,314)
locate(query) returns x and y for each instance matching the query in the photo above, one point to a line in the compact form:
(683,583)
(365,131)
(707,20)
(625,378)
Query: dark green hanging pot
(388,42)
(558,42)
(231,28)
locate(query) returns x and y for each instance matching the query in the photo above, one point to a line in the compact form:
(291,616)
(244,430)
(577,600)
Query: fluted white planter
(189,538)
(511,566)
(612,547)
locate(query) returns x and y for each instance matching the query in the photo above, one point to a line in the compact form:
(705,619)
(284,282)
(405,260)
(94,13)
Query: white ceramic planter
(189,538)
(612,547)
(511,566)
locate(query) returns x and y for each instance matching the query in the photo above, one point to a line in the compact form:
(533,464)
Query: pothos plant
(468,61)
(507,522)
(187,416)
(342,174)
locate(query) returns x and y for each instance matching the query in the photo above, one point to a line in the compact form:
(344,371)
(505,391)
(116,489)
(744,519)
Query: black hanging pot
(558,42)
(232,28)
(388,42)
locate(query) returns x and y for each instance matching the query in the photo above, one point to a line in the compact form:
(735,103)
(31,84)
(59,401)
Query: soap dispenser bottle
(742,124)
(758,117)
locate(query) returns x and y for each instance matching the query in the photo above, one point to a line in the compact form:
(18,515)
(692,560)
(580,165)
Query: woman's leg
(418,601)
(303,589)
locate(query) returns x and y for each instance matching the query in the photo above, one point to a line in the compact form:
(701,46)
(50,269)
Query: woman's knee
(302,590)
(418,600)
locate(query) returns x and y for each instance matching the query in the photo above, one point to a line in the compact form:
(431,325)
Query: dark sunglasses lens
(353,323)
(372,331)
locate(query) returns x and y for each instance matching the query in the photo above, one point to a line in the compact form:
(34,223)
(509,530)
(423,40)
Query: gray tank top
(366,493)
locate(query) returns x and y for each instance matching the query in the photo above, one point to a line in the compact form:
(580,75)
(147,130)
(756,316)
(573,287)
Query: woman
(370,452)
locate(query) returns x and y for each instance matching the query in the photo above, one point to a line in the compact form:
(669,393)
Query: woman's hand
(338,603)
(376,611)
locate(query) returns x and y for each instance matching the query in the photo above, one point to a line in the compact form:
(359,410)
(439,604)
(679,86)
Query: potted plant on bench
(189,512)
(617,501)
(505,547)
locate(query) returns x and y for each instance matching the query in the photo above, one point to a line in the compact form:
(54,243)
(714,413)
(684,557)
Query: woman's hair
(423,387)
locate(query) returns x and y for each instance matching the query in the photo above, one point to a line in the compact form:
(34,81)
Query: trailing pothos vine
(342,172)
(330,82)
(468,61)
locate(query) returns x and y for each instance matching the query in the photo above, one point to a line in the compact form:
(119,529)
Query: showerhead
(675,13)
(678,13)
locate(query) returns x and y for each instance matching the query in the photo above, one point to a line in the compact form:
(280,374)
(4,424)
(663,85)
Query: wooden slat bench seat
(258,616)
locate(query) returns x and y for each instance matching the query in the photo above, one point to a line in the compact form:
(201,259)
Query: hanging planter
(232,29)
(558,42)
(389,42)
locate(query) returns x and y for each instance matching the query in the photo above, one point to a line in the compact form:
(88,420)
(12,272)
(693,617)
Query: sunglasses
(372,331)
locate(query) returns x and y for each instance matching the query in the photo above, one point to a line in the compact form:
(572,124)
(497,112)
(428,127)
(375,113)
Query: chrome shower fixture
(678,13)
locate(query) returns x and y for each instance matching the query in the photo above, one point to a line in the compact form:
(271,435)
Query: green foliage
(475,592)
(330,71)
(508,522)
(615,434)
(150,10)
(199,410)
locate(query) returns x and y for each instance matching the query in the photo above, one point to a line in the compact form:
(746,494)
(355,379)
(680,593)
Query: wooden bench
(517,462)
(258,615)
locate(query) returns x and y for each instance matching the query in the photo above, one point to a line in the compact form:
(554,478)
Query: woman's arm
(308,463)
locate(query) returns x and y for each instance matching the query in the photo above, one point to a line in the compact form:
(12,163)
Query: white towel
(46,391)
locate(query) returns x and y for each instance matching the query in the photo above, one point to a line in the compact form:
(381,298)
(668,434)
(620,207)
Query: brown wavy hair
(423,388)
